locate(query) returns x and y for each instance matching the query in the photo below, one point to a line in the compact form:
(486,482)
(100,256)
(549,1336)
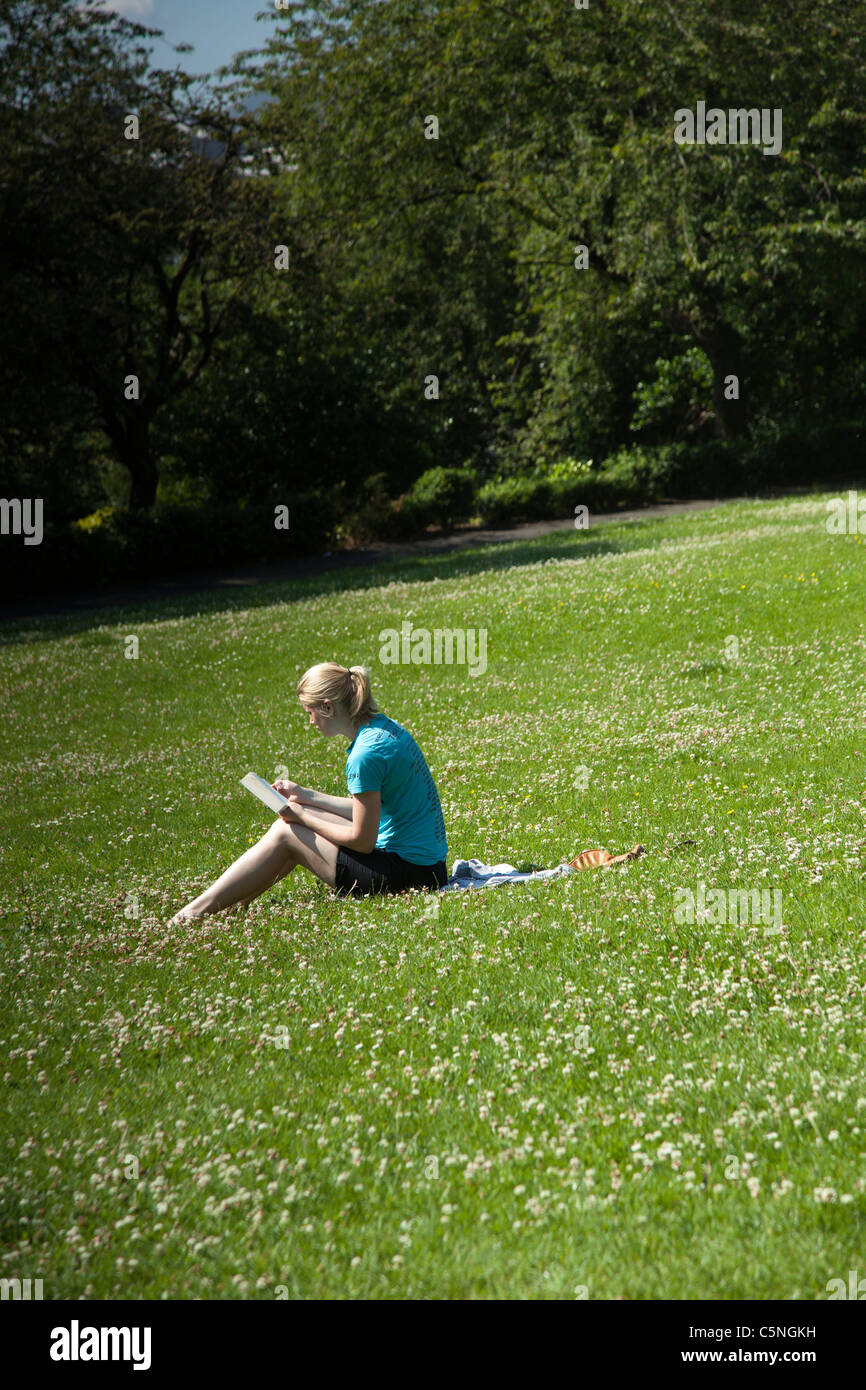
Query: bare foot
(185,915)
(191,913)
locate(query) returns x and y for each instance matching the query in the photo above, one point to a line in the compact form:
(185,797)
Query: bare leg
(333,816)
(277,853)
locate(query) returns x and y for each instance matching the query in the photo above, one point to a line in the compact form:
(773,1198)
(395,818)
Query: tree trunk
(136,456)
(724,347)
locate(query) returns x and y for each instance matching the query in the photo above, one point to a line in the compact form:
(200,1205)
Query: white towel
(472,873)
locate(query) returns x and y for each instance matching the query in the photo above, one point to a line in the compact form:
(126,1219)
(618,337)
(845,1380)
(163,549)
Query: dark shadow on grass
(218,596)
(445,556)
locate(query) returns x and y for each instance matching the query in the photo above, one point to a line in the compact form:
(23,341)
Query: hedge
(115,546)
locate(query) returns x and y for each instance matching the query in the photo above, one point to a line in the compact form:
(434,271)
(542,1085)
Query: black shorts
(382,871)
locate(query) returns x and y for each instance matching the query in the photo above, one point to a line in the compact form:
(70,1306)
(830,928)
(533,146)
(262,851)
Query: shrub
(640,474)
(441,496)
(565,470)
(113,545)
(96,521)
(373,517)
(515,499)
(679,398)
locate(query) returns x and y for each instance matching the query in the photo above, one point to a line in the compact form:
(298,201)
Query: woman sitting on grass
(386,837)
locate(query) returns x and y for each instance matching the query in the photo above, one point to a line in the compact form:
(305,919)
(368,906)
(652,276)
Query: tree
(135,209)
(418,265)
(556,130)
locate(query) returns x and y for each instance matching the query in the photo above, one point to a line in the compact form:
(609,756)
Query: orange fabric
(601,859)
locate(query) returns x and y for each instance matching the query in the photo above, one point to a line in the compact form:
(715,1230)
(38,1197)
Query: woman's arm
(339,805)
(364,816)
(321,801)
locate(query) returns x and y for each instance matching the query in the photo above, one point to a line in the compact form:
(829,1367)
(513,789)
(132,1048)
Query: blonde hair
(348,688)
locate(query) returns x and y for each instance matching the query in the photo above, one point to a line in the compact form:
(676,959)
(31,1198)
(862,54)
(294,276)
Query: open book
(264,791)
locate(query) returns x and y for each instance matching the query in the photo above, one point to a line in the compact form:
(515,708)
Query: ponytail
(362,706)
(347,688)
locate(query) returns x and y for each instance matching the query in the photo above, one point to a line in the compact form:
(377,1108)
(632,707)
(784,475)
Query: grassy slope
(398,1098)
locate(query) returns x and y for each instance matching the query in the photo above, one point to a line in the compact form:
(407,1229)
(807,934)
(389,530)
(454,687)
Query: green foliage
(717,255)
(441,497)
(122,256)
(566,470)
(679,397)
(118,545)
(103,519)
(642,473)
(515,499)
(411,257)
(371,514)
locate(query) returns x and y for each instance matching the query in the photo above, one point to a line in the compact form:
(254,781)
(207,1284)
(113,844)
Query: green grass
(528,1092)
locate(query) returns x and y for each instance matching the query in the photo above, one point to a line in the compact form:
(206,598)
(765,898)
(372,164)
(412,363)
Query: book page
(264,791)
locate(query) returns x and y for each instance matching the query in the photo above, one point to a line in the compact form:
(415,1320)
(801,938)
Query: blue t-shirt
(384,757)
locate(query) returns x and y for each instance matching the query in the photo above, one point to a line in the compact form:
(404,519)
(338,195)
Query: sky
(217,29)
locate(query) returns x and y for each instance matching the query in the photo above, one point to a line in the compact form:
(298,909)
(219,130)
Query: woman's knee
(280,830)
(283,835)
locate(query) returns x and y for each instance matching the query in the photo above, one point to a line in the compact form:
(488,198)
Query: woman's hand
(290,790)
